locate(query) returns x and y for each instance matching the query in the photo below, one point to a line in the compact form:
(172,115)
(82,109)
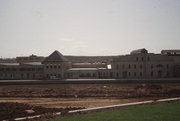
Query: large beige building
(139,64)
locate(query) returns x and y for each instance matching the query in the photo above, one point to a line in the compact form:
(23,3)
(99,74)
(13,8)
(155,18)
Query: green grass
(158,112)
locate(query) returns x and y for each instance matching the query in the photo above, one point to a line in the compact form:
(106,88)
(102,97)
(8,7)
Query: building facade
(139,64)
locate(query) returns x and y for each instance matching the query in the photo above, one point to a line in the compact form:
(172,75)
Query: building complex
(139,64)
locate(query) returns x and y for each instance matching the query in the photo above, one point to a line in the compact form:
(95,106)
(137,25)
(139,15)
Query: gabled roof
(56,56)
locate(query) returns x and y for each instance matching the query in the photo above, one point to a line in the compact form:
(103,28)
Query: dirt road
(70,102)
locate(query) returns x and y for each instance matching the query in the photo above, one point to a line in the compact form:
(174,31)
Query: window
(129,73)
(88,74)
(134,73)
(22,75)
(148,58)
(14,69)
(141,66)
(22,69)
(117,74)
(33,76)
(167,74)
(7,69)
(117,66)
(47,66)
(39,69)
(27,75)
(104,74)
(167,65)
(151,74)
(136,58)
(123,66)
(54,66)
(1,69)
(151,66)
(159,65)
(129,66)
(142,59)
(59,66)
(140,73)
(135,66)
(59,75)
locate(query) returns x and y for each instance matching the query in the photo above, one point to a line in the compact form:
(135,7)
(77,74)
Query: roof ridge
(55,56)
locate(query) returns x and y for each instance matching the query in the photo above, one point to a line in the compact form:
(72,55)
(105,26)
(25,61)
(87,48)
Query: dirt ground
(71,102)
(11,110)
(91,90)
(58,97)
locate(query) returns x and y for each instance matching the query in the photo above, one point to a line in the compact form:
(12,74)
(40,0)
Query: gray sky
(88,27)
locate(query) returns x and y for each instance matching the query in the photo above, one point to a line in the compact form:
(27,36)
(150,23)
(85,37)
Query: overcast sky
(88,27)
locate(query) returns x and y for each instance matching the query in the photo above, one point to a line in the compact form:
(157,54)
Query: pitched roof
(55,56)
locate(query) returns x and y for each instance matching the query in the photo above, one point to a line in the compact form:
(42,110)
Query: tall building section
(56,66)
(141,64)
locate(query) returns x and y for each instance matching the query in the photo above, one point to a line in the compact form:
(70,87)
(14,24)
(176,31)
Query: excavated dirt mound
(10,110)
(81,91)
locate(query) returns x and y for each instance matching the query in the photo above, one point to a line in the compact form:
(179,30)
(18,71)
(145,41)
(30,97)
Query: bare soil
(11,110)
(61,97)
(93,90)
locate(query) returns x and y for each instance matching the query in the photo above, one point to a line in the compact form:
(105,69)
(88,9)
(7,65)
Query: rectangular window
(140,73)
(167,65)
(151,74)
(167,74)
(123,66)
(136,58)
(117,66)
(148,59)
(141,66)
(117,74)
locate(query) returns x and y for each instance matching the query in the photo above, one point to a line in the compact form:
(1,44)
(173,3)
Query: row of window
(129,74)
(103,74)
(142,59)
(27,75)
(87,75)
(140,66)
(159,74)
(53,75)
(129,66)
(53,67)
(21,69)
